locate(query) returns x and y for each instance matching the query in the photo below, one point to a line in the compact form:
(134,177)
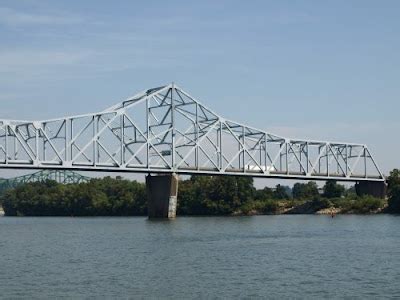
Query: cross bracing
(166,130)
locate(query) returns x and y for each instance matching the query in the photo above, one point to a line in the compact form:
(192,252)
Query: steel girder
(165,130)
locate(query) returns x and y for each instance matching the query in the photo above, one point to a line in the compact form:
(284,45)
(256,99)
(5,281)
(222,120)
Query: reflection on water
(274,256)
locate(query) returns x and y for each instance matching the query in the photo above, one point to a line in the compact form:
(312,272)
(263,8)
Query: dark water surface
(265,256)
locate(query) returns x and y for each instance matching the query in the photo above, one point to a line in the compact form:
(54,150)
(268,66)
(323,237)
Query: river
(304,256)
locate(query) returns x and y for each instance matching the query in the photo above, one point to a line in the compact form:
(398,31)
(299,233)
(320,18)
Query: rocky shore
(321,208)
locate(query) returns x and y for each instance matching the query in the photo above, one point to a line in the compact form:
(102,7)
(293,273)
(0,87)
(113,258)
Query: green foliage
(393,179)
(265,193)
(393,182)
(333,190)
(394,199)
(350,192)
(217,195)
(320,203)
(358,205)
(200,195)
(280,192)
(99,197)
(224,195)
(305,190)
(260,206)
(270,206)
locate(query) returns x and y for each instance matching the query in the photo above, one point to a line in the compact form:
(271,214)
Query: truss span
(60,176)
(166,130)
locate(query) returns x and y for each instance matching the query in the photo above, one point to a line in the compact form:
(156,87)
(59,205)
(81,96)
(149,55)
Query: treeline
(237,195)
(199,195)
(223,195)
(393,182)
(99,197)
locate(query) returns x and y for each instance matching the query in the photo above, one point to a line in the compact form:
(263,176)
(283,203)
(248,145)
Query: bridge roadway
(165,130)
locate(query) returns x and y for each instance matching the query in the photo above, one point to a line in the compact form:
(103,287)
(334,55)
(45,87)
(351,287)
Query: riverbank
(282,208)
(359,206)
(198,196)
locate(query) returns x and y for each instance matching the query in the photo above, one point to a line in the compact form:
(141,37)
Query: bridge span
(165,130)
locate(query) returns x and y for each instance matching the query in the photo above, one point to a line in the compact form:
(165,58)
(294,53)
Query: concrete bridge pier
(373,188)
(162,195)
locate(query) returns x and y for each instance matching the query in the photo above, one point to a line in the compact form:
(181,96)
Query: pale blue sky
(325,70)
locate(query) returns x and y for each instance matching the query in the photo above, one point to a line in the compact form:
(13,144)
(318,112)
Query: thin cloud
(17,60)
(293,18)
(12,17)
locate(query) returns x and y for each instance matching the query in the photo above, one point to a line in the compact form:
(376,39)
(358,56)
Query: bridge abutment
(373,188)
(162,195)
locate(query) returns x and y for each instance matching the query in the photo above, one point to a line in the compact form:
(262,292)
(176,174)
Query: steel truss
(61,176)
(165,130)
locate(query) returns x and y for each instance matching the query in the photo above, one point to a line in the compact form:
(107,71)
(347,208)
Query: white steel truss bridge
(166,130)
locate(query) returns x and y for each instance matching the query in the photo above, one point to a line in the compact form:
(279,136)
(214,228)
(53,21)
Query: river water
(301,256)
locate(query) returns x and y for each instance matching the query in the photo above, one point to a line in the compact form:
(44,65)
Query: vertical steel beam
(6,144)
(122,130)
(65,140)
(196,150)
(44,142)
(266,153)
(220,146)
(173,127)
(147,132)
(287,157)
(37,143)
(308,158)
(243,149)
(327,159)
(72,140)
(95,121)
(365,162)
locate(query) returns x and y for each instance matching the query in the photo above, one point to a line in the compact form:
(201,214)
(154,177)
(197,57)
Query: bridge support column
(162,195)
(373,188)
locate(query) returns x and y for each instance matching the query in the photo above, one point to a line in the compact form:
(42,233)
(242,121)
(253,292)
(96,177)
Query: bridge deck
(206,171)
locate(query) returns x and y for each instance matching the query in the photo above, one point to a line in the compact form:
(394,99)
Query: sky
(324,70)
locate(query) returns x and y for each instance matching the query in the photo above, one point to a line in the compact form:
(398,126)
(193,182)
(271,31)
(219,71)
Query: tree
(393,179)
(215,195)
(280,192)
(394,191)
(350,192)
(333,190)
(98,197)
(394,199)
(264,194)
(305,191)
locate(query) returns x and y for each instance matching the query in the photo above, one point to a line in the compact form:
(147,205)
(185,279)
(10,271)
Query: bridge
(164,130)
(60,176)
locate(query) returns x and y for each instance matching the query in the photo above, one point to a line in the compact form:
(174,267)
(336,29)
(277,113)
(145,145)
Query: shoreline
(323,212)
(282,208)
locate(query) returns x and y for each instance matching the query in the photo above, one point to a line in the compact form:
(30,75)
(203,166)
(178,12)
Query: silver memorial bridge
(166,130)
